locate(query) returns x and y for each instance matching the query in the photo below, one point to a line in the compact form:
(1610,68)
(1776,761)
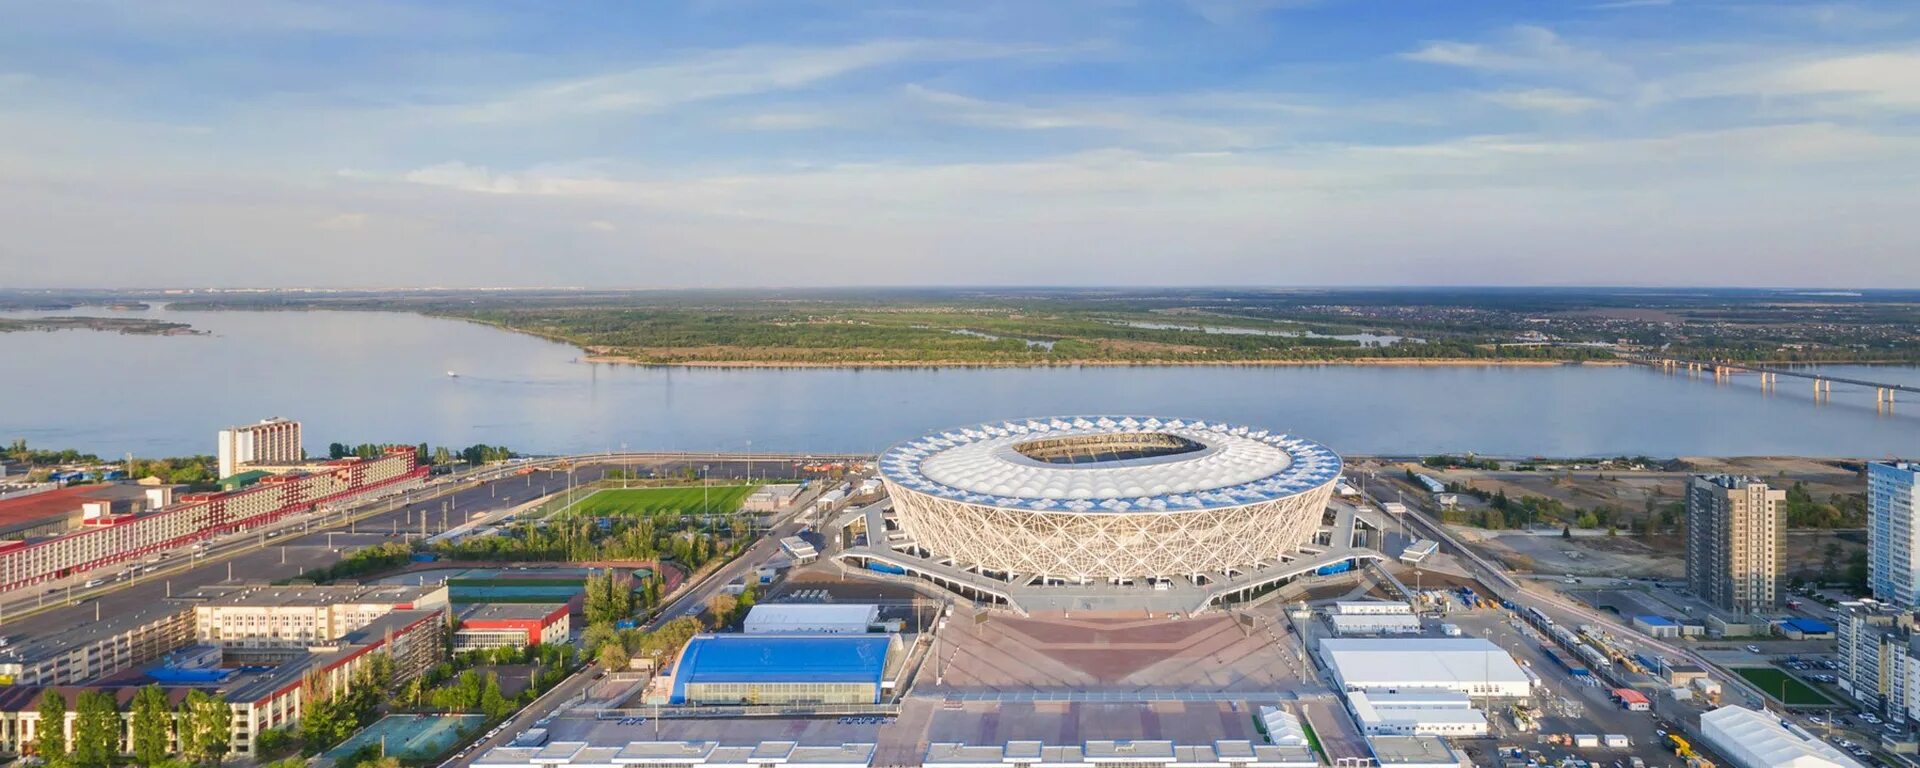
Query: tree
(152,725)
(96,729)
(721,607)
(206,727)
(492,703)
(613,656)
(50,740)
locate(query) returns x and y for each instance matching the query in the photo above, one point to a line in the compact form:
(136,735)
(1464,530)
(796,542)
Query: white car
(1753,649)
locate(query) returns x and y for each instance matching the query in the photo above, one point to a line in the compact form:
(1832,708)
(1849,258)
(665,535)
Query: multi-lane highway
(284,550)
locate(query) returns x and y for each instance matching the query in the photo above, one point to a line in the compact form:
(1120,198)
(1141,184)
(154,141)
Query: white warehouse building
(1753,739)
(1417,712)
(1472,666)
(811,618)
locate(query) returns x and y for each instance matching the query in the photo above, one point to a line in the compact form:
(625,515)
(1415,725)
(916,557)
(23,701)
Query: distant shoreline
(1166,363)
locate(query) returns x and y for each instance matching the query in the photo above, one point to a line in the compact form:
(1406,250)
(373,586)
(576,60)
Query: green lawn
(718,499)
(1780,685)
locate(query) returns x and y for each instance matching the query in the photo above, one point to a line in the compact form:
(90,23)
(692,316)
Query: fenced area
(613,501)
(412,737)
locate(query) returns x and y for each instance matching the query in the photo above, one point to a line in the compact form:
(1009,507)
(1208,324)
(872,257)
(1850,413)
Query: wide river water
(382,377)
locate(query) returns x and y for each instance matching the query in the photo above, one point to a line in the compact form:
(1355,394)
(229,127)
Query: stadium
(1085,500)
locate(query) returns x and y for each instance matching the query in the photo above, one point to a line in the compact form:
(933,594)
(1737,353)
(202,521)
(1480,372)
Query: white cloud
(781,121)
(343,222)
(602,225)
(1551,100)
(1619,5)
(1524,49)
(719,74)
(1886,79)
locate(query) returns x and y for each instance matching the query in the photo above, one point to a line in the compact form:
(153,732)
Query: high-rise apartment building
(1734,527)
(1892,563)
(272,441)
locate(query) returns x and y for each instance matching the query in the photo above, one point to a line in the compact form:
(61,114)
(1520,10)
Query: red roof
(1630,695)
(45,505)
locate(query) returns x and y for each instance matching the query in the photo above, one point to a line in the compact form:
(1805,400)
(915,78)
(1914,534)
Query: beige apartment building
(1734,534)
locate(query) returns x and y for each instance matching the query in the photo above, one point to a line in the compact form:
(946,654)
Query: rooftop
(1760,740)
(27,511)
(1110,463)
(1411,750)
(679,753)
(1413,661)
(510,611)
(812,613)
(262,595)
(1652,620)
(782,658)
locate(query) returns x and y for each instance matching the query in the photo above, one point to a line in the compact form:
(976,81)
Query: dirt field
(1630,491)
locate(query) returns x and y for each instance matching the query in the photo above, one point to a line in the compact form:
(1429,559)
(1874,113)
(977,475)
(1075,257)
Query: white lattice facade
(1077,546)
(1089,498)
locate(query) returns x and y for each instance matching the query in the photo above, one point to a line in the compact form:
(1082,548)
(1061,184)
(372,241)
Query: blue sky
(730,143)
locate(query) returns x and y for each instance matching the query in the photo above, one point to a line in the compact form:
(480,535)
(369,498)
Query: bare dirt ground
(1656,557)
(1630,491)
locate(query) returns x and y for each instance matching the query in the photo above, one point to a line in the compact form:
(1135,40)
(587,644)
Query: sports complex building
(787,669)
(1110,506)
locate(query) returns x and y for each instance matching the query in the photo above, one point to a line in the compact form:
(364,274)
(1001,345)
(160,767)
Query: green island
(128,325)
(1187,326)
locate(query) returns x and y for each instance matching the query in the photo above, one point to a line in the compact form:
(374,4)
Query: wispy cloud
(1550,100)
(721,74)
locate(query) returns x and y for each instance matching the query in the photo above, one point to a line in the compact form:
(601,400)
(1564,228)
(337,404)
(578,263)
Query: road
(287,549)
(1547,599)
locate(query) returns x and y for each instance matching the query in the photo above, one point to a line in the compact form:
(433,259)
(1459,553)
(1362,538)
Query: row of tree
(478,453)
(202,726)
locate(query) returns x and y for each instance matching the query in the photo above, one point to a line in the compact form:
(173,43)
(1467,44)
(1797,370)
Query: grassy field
(719,499)
(1771,680)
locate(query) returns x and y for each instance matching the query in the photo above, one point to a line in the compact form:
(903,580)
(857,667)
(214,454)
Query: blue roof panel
(782,659)
(1654,621)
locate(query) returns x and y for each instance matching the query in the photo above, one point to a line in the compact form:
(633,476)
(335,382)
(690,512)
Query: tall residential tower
(1734,527)
(1892,564)
(272,441)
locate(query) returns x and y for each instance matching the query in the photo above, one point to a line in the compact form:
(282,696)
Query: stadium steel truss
(1080,499)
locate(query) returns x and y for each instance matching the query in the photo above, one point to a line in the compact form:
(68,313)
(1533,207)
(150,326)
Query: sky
(723,143)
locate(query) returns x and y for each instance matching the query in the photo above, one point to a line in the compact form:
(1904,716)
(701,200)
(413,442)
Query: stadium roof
(1759,740)
(1226,466)
(782,658)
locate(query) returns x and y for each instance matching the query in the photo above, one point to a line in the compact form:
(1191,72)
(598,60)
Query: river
(382,377)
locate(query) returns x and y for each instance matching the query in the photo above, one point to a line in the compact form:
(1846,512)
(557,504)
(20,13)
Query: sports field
(1782,686)
(693,500)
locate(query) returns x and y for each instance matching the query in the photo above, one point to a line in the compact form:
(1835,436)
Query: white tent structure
(1752,739)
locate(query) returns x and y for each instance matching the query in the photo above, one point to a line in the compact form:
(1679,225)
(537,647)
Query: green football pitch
(1782,686)
(694,500)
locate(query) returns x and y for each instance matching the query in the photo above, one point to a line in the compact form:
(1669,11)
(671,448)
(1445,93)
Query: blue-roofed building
(786,669)
(1805,629)
(1656,626)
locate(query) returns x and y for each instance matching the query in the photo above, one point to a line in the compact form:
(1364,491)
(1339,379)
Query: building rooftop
(780,658)
(1761,740)
(1072,464)
(264,595)
(37,509)
(1808,626)
(1412,751)
(1414,661)
(679,753)
(1652,620)
(510,611)
(812,613)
